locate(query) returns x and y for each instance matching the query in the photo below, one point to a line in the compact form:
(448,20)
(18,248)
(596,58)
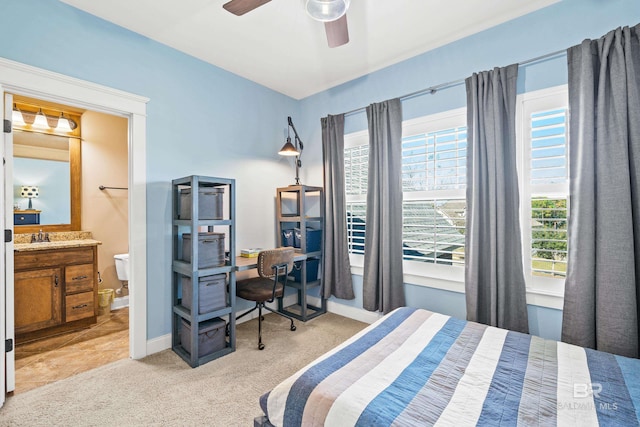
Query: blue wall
(200,120)
(204,120)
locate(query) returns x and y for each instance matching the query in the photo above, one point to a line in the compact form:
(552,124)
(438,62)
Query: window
(434,161)
(545,187)
(434,150)
(433,182)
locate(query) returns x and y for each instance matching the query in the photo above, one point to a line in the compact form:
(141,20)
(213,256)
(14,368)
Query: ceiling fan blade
(240,7)
(337,31)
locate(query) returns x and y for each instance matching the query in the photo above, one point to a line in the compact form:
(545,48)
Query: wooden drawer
(37,259)
(79,306)
(78,278)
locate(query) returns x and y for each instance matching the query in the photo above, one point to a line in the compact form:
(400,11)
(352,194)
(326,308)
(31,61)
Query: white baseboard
(120,302)
(354,313)
(158,344)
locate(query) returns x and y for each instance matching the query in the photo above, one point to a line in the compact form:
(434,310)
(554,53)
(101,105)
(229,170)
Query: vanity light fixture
(41,120)
(289,149)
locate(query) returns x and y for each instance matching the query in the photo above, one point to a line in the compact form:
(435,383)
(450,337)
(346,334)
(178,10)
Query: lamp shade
(29,191)
(16,116)
(326,10)
(288,149)
(63,124)
(40,120)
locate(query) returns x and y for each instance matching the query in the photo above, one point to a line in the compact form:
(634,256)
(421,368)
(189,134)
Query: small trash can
(105,298)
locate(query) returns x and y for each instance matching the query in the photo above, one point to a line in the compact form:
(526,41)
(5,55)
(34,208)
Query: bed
(414,367)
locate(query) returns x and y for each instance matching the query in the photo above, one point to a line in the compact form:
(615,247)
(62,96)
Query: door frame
(22,79)
(7,361)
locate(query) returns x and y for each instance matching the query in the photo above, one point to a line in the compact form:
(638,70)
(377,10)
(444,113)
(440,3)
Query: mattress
(415,367)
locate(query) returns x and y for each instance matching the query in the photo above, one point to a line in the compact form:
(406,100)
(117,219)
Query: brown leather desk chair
(273,267)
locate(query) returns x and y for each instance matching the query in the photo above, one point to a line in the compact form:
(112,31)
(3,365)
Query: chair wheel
(293,327)
(260,346)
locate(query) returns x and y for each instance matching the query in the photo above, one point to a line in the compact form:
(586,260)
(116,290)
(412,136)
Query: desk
(245,263)
(307,311)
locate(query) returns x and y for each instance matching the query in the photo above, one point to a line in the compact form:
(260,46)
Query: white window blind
(548,147)
(435,160)
(356,164)
(356,224)
(545,187)
(433,231)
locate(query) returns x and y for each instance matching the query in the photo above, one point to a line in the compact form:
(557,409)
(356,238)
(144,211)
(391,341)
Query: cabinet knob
(79,306)
(79,277)
(56,281)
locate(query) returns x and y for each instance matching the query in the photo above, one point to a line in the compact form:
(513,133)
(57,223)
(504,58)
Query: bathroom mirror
(48,165)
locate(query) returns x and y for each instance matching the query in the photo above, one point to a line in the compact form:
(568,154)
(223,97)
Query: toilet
(122,268)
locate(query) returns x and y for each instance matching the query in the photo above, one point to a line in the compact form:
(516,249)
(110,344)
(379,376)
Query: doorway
(31,81)
(89,152)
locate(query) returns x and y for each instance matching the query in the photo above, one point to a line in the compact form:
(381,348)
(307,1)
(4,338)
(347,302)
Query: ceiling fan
(331,12)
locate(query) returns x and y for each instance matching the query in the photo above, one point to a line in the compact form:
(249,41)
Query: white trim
(356,139)
(120,302)
(158,344)
(443,120)
(35,82)
(355,313)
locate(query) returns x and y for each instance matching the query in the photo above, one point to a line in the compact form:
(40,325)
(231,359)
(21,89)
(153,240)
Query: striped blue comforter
(414,368)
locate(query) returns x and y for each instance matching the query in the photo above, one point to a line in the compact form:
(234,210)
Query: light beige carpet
(163,390)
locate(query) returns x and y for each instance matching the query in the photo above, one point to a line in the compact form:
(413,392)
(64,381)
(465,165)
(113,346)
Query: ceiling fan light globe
(326,10)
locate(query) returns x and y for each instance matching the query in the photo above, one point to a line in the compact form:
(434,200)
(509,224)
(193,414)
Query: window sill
(454,282)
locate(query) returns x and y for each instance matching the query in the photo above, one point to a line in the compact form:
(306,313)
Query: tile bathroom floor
(51,359)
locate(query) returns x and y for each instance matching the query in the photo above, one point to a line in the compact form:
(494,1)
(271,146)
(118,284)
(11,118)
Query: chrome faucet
(40,238)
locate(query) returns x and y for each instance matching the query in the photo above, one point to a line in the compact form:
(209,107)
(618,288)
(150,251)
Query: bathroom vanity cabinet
(56,289)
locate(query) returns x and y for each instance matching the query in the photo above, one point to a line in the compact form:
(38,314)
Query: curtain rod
(433,89)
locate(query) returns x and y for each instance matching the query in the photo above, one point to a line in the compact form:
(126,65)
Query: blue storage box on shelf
(314,238)
(287,237)
(312,270)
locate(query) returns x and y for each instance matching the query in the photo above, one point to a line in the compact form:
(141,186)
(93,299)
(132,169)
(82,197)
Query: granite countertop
(58,240)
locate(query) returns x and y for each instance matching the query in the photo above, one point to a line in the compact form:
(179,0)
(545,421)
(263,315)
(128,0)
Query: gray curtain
(383,288)
(494,278)
(603,277)
(336,270)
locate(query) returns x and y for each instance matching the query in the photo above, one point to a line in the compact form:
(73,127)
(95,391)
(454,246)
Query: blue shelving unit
(182,268)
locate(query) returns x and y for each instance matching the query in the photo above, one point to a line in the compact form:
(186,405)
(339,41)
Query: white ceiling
(277,45)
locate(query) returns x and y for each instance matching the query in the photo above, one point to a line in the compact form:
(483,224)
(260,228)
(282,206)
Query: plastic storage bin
(212,293)
(209,203)
(211,334)
(210,249)
(312,270)
(314,238)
